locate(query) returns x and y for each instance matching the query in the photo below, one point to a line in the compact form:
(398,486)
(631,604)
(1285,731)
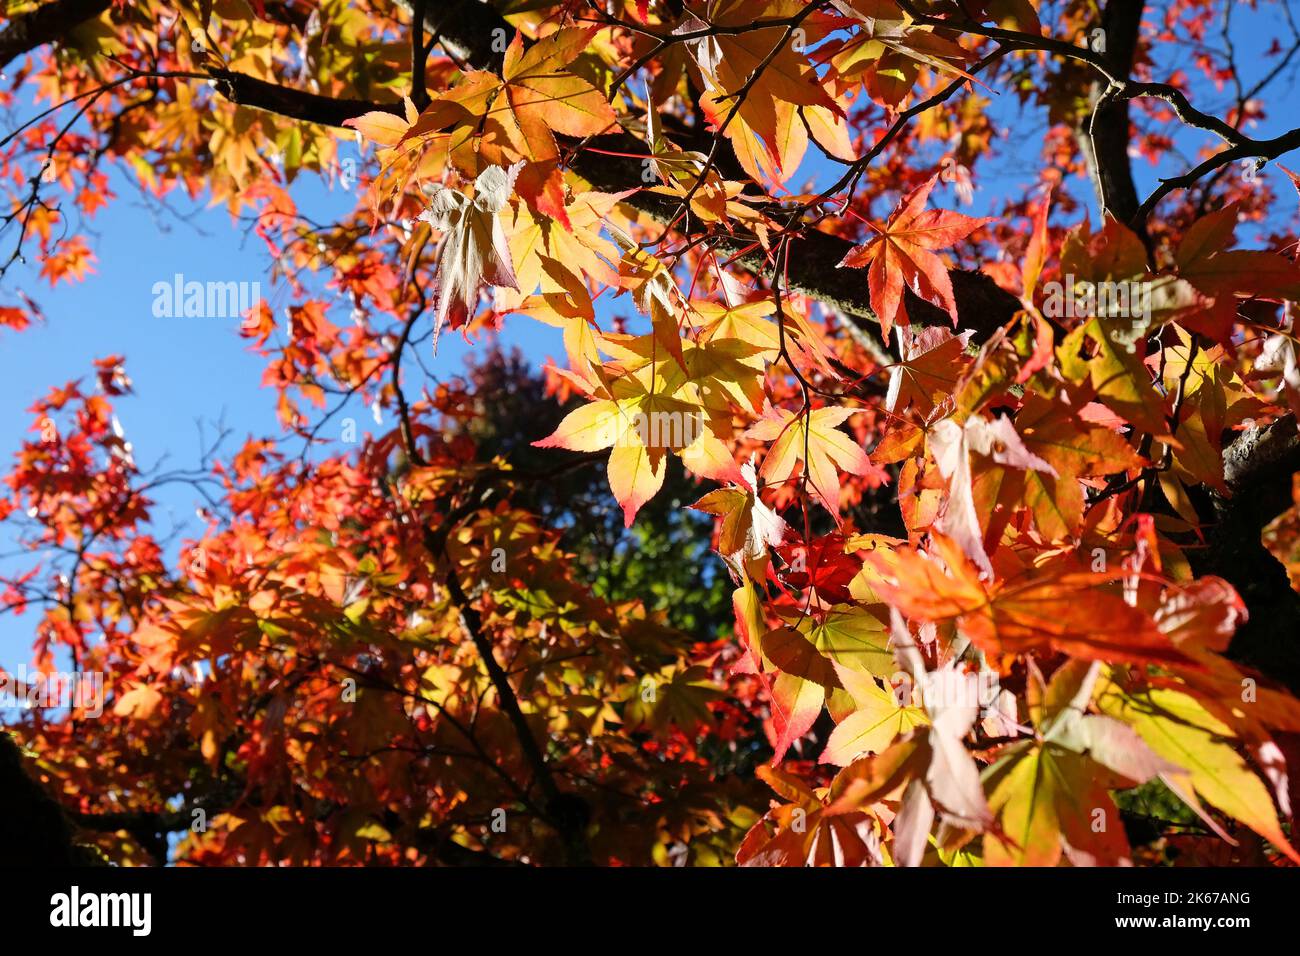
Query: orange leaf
(903,253)
(1069,612)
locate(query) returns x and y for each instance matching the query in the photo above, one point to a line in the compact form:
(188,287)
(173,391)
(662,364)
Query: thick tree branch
(44,25)
(1258,467)
(33,828)
(981,304)
(295,104)
(1103,134)
(814,255)
(419,56)
(469,30)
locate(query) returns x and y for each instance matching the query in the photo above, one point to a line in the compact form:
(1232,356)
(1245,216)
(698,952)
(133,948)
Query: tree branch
(249,91)
(567,812)
(1104,134)
(1261,150)
(33,828)
(1122,87)
(981,304)
(469,30)
(419,56)
(45,24)
(1258,467)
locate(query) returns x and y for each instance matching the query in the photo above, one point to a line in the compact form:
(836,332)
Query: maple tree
(1007,550)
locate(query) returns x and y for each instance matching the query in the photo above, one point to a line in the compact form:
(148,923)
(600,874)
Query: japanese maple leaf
(886,51)
(930,762)
(1070,612)
(932,363)
(1205,751)
(953,446)
(618,418)
(70,261)
(1049,791)
(1120,377)
(784,98)
(13,317)
(877,719)
(556,260)
(1054,430)
(516,115)
(904,253)
(474,249)
(1221,274)
(1282,537)
(825,445)
(802,832)
(796,702)
(821,565)
(749,527)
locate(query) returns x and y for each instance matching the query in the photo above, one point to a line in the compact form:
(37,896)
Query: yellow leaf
(1179,729)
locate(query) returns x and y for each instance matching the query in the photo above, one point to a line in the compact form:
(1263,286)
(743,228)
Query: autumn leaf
(765,127)
(138,703)
(1055,432)
(1036,253)
(748,527)
(513,118)
(876,721)
(792,654)
(1180,730)
(852,637)
(1043,611)
(678,699)
(474,250)
(14,318)
(71,261)
(821,565)
(1223,274)
(928,373)
(1118,375)
(953,446)
(903,255)
(805,832)
(930,765)
(1051,793)
(1282,537)
(815,440)
(888,52)
(796,703)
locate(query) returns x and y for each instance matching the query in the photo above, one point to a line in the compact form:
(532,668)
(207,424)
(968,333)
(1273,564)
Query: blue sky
(190,370)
